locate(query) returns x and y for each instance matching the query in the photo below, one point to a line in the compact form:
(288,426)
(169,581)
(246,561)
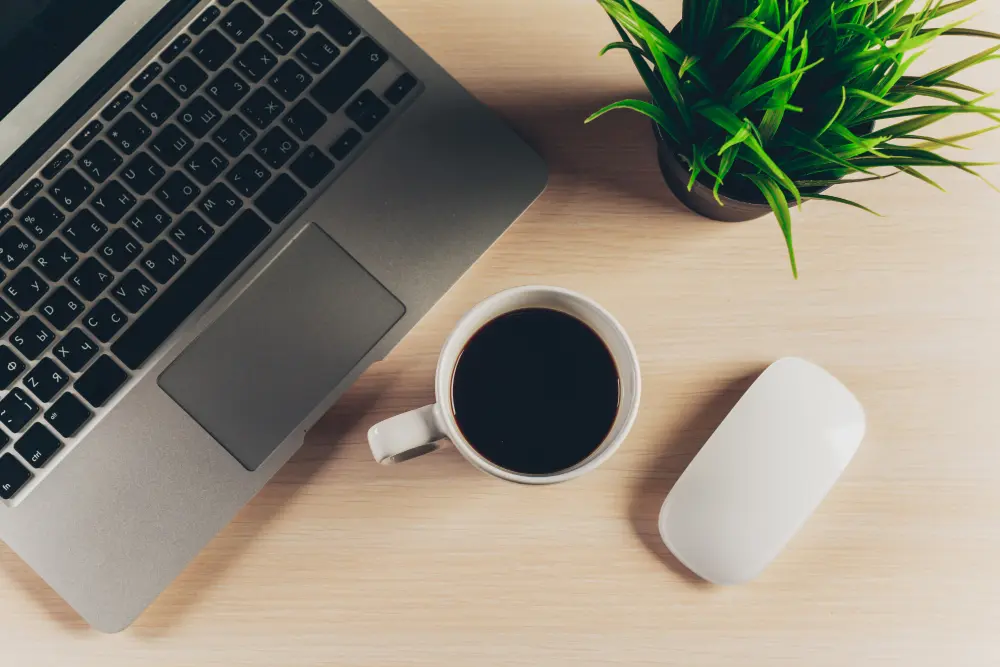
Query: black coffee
(535,391)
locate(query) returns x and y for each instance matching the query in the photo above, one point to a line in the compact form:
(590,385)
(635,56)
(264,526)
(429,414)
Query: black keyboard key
(367,110)
(101,381)
(87,134)
(241,23)
(277,147)
(11,367)
(220,205)
(84,231)
(262,108)
(45,380)
(149,220)
(185,77)
(213,50)
(142,81)
(55,259)
(62,308)
(255,61)
(90,279)
(157,105)
(202,277)
(304,120)
(100,161)
(224,3)
(400,88)
(71,190)
(345,143)
(67,415)
(248,176)
(268,7)
(32,338)
(191,233)
(142,173)
(27,193)
(278,200)
(17,409)
(104,320)
(283,34)
(228,89)
(178,192)
(290,80)
(163,262)
(15,247)
(75,350)
(171,144)
(176,48)
(311,167)
(42,218)
(129,133)
(119,250)
(6,215)
(8,317)
(235,136)
(349,74)
(113,202)
(318,52)
(134,291)
(56,164)
(327,17)
(199,117)
(13,476)
(26,288)
(206,164)
(206,19)
(117,105)
(38,445)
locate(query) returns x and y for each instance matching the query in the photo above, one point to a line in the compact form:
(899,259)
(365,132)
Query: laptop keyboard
(163,195)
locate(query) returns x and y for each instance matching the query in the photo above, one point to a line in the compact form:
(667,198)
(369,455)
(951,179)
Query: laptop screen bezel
(60,101)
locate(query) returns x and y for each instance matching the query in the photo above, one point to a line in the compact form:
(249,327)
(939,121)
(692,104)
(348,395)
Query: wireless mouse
(762,473)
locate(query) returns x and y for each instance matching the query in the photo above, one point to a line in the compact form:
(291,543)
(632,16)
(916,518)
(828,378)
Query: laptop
(214,216)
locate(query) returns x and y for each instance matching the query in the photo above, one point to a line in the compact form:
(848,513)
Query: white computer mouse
(762,473)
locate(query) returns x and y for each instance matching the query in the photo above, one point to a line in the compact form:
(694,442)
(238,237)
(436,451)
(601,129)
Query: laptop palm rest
(248,390)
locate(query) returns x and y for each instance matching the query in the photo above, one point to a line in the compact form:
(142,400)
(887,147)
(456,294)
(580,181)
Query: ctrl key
(13,475)
(37,445)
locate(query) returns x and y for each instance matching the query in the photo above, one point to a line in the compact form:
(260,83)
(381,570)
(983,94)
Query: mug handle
(407,436)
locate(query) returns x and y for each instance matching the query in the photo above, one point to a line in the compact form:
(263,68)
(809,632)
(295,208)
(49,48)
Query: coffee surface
(535,391)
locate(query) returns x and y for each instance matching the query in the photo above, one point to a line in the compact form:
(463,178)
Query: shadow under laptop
(615,153)
(681,446)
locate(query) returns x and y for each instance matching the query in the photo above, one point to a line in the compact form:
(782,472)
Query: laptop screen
(37,35)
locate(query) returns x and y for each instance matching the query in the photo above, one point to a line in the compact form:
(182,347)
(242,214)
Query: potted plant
(761,104)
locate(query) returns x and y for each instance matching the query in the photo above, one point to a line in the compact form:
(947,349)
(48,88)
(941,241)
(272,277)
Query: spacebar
(190,289)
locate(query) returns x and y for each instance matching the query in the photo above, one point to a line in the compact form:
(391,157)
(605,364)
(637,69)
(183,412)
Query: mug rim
(444,379)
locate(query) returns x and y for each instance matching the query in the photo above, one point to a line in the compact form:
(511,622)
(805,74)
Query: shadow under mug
(421,431)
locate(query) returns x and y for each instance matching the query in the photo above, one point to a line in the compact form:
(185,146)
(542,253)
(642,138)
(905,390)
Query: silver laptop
(214,215)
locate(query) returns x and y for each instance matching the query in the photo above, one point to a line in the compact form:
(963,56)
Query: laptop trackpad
(282,346)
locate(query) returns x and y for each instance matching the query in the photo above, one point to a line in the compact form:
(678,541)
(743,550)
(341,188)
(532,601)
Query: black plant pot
(700,198)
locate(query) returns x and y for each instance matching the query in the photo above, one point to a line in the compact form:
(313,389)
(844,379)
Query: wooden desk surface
(342,562)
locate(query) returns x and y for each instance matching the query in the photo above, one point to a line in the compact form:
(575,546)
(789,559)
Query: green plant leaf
(922,177)
(944,73)
(728,121)
(841,200)
(646,109)
(627,46)
(670,79)
(776,200)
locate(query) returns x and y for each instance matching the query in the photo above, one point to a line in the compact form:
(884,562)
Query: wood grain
(341,562)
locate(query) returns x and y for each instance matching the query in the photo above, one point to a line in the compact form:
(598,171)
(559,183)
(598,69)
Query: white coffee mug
(421,431)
